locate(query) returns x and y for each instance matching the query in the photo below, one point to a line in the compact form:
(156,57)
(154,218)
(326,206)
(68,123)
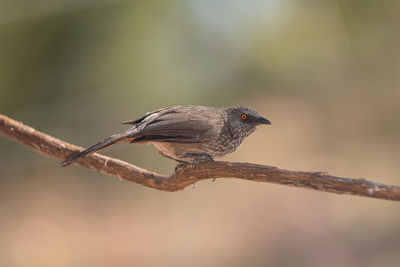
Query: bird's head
(243,121)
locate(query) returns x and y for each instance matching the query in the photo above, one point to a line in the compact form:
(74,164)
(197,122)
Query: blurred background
(326,73)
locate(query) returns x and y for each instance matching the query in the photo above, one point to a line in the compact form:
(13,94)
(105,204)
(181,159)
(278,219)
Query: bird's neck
(239,134)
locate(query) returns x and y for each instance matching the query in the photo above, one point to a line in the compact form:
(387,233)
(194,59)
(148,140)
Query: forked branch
(52,147)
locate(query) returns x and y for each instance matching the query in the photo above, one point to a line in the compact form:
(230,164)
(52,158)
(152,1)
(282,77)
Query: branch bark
(52,147)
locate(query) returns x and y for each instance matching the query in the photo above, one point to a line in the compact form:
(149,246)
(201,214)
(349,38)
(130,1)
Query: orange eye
(244,116)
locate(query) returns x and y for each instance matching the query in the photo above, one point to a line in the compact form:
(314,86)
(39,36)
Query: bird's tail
(105,143)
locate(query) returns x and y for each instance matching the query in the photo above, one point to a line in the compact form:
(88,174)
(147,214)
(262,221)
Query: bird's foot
(197,159)
(182,165)
(200,158)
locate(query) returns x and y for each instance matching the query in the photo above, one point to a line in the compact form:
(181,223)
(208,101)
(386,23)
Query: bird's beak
(262,120)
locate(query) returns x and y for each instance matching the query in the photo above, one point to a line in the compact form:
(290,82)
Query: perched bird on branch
(187,134)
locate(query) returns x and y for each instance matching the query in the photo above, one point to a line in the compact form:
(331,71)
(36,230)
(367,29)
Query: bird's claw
(181,166)
(201,158)
(198,159)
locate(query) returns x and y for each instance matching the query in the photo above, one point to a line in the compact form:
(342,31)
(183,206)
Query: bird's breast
(216,148)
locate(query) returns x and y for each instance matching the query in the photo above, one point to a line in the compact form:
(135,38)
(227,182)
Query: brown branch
(52,147)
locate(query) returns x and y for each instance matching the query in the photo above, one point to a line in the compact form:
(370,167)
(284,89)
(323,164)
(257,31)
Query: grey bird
(187,134)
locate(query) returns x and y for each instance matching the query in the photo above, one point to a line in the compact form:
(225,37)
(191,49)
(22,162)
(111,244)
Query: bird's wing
(182,124)
(136,121)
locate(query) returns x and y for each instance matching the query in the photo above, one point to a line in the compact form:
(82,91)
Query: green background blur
(326,73)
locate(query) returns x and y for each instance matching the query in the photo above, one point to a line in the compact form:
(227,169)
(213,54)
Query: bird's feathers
(100,145)
(176,124)
(181,130)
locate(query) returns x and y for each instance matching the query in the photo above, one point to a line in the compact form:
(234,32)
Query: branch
(52,147)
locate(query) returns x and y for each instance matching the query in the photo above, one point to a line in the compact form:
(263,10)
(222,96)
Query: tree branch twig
(52,147)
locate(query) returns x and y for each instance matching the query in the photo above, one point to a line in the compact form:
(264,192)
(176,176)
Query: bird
(187,134)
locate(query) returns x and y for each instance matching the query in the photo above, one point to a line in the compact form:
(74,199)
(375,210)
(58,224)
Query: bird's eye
(244,117)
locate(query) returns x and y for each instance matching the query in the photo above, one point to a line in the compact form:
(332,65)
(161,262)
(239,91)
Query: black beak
(262,120)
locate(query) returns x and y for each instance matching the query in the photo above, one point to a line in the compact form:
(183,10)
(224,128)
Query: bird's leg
(199,158)
(181,163)
(178,160)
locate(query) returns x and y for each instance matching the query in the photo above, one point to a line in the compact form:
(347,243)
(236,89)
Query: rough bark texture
(52,147)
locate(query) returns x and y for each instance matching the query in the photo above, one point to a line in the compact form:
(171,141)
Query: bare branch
(52,147)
